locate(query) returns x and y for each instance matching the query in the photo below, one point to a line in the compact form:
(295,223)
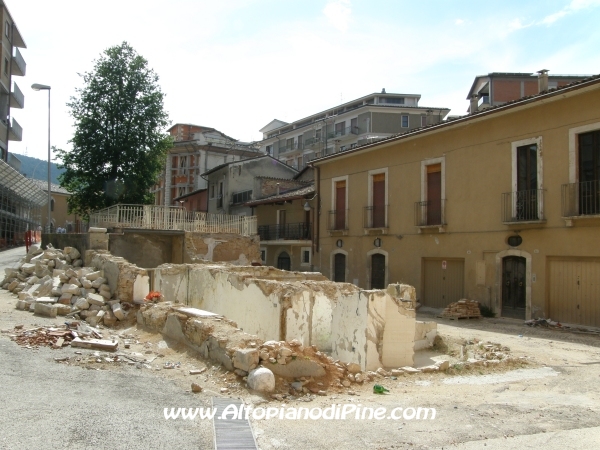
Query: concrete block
(245,359)
(62,310)
(95,299)
(43,309)
(117,311)
(47,300)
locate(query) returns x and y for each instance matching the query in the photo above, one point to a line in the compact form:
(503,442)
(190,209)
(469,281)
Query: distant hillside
(38,168)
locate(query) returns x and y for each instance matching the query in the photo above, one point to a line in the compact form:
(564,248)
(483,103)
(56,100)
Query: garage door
(443,281)
(574,291)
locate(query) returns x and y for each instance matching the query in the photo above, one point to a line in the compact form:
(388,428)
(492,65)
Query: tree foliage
(119,145)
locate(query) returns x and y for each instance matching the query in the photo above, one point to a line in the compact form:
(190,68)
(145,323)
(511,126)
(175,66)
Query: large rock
(81,303)
(262,380)
(44,309)
(245,359)
(95,299)
(70,288)
(28,268)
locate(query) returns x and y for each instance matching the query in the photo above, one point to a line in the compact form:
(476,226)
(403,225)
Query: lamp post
(43,87)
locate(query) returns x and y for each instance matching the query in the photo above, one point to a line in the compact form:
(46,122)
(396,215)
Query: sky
(235,65)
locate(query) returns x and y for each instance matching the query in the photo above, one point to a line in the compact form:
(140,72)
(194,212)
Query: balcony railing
(311,141)
(581,199)
(288,231)
(15,132)
(375,217)
(430,213)
(338,220)
(522,206)
(18,67)
(17,99)
(171,218)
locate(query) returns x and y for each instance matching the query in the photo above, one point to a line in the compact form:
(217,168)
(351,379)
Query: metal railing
(338,220)
(153,217)
(287,231)
(375,217)
(522,206)
(430,213)
(18,67)
(581,199)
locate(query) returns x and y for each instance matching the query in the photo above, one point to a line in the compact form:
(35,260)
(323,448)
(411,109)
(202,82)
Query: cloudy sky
(237,64)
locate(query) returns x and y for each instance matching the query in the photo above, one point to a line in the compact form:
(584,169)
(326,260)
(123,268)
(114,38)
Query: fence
(152,217)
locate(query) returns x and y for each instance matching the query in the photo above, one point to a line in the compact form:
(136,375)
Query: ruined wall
(146,250)
(126,280)
(371,328)
(221,247)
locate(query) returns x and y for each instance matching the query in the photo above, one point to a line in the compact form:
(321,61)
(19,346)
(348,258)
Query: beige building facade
(502,206)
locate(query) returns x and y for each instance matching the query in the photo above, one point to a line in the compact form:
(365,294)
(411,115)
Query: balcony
(523,206)
(17,99)
(290,147)
(15,132)
(241,197)
(18,65)
(375,217)
(311,142)
(343,133)
(338,221)
(288,231)
(580,200)
(431,214)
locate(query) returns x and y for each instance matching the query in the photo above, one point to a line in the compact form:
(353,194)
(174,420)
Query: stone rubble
(54,282)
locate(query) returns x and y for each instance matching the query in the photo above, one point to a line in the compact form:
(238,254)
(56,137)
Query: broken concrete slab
(100,344)
(43,309)
(296,368)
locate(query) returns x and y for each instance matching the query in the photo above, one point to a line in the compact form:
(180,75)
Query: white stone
(95,299)
(262,380)
(82,303)
(117,311)
(43,309)
(70,288)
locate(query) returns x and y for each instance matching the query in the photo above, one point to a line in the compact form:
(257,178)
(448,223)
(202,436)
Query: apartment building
(500,206)
(346,126)
(196,149)
(11,64)
(498,88)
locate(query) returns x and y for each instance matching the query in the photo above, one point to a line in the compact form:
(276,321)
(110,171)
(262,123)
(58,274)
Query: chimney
(474,101)
(429,119)
(383,91)
(542,80)
(277,188)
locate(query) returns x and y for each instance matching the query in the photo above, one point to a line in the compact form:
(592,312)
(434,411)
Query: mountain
(38,168)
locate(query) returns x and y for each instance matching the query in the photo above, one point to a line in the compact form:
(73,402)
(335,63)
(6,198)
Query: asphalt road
(48,405)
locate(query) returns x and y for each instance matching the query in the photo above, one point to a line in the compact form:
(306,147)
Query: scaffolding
(21,201)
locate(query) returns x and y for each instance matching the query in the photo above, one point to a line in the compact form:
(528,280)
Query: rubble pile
(54,282)
(73,333)
(476,353)
(462,309)
(554,325)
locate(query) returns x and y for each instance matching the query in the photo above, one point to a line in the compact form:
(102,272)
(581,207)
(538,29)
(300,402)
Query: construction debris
(462,309)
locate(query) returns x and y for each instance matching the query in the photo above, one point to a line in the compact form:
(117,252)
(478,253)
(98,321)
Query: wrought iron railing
(375,217)
(338,220)
(581,199)
(430,213)
(171,218)
(287,231)
(522,206)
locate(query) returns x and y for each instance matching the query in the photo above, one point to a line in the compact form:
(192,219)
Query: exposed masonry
(373,329)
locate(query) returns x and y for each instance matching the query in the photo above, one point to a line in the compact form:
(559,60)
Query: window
(269,149)
(51,201)
(423,121)
(353,145)
(299,161)
(212,190)
(5,66)
(289,144)
(342,148)
(376,212)
(299,139)
(430,210)
(317,135)
(339,128)
(392,101)
(305,256)
(404,119)
(354,125)
(7,29)
(220,197)
(589,173)
(242,197)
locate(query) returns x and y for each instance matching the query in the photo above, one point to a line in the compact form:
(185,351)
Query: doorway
(339,268)
(514,301)
(284,262)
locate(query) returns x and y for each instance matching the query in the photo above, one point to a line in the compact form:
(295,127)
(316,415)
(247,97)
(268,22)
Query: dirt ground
(548,383)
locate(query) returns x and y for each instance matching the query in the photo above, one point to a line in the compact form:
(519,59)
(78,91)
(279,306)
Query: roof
(289,195)
(189,125)
(43,185)
(554,92)
(271,125)
(214,169)
(23,187)
(189,194)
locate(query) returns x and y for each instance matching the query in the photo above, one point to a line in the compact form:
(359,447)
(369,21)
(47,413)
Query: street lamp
(43,87)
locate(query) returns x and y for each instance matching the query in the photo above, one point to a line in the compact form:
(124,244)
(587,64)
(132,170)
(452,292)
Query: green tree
(119,145)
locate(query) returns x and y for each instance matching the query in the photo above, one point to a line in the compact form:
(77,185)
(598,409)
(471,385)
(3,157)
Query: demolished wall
(221,247)
(371,328)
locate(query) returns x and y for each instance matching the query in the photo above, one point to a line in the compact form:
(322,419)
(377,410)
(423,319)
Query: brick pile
(462,309)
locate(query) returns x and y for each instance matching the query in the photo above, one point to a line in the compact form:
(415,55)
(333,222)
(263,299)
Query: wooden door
(340,205)
(378,201)
(513,287)
(434,194)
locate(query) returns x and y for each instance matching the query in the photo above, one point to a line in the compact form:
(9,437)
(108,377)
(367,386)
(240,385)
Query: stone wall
(222,247)
(127,281)
(371,328)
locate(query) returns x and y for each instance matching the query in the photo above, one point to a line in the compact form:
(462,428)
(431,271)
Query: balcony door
(589,173)
(339,268)
(526,199)
(434,194)
(340,205)
(378,200)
